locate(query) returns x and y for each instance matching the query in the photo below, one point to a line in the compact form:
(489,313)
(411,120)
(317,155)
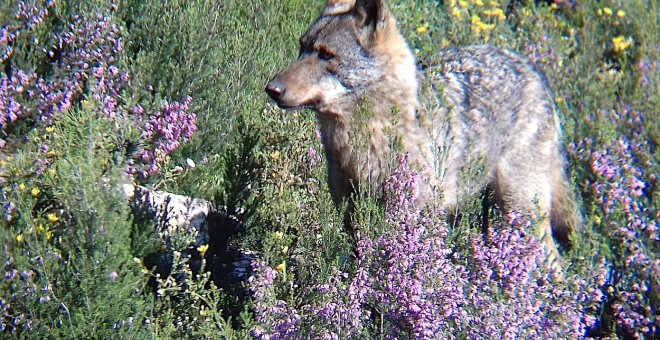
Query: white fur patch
(331,89)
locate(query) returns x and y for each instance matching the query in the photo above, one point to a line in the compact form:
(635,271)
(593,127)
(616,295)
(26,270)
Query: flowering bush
(409,275)
(64,127)
(619,179)
(163,133)
(276,319)
(85,65)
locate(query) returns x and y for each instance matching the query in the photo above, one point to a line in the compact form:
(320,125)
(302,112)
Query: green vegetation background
(252,155)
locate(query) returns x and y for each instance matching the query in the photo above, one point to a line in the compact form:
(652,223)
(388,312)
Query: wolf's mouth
(313,105)
(285,106)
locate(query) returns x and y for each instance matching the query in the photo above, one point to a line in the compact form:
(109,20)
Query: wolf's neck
(398,87)
(358,143)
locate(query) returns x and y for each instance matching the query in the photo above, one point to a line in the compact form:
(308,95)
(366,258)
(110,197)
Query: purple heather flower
(313,157)
(88,49)
(620,173)
(10,274)
(276,319)
(165,130)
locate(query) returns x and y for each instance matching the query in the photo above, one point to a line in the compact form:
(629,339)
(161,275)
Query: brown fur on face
(479,105)
(336,58)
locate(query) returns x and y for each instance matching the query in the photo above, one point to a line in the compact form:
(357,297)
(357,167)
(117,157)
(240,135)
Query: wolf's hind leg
(529,192)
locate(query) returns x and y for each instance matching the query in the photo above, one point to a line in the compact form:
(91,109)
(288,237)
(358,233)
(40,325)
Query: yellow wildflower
(526,13)
(35,192)
(462,3)
(275,155)
(620,13)
(554,6)
(50,129)
(478,2)
(278,235)
(422,29)
(444,42)
(456,12)
(621,43)
(607,11)
(21,187)
(285,249)
(597,219)
(20,238)
(281,267)
(203,248)
(40,228)
(479,26)
(52,217)
(49,235)
(497,12)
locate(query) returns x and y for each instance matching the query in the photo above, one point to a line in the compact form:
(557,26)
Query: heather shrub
(66,121)
(620,173)
(206,49)
(170,95)
(410,279)
(615,160)
(83,65)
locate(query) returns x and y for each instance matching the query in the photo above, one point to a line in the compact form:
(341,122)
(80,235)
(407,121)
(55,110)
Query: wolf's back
(496,94)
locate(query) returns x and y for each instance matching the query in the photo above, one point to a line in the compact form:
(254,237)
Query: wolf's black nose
(275,89)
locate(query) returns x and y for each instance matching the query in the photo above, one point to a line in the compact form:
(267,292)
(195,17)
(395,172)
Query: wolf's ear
(335,7)
(370,12)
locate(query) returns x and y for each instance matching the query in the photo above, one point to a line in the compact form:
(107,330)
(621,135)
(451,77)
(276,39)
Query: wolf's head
(351,49)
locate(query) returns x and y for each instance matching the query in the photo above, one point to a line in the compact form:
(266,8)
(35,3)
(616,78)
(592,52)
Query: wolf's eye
(325,54)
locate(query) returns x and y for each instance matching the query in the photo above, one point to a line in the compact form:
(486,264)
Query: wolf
(469,105)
